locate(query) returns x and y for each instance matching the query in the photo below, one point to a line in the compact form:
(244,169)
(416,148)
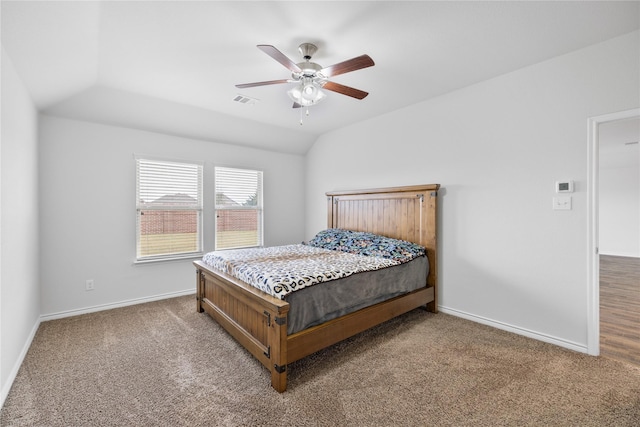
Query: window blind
(238,208)
(168,209)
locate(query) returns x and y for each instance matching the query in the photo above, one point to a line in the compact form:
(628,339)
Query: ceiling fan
(311,77)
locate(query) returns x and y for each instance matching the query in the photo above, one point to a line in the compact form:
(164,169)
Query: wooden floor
(620,308)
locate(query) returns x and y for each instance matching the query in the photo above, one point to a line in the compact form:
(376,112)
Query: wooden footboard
(259,322)
(256,320)
(308,341)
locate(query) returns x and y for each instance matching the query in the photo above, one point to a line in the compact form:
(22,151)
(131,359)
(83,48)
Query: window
(168,209)
(238,208)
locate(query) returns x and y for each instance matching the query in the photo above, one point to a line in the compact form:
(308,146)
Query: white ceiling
(172,66)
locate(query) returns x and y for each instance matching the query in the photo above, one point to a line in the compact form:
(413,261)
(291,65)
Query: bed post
(278,349)
(331,214)
(431,245)
(199,290)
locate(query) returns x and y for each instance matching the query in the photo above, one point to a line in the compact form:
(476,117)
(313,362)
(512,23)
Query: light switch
(562,203)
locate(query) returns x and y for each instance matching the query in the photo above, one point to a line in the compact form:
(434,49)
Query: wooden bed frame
(258,321)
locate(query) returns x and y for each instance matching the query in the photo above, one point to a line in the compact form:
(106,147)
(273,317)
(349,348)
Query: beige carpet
(163,364)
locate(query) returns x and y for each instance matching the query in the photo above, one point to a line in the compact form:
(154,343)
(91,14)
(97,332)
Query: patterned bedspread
(280,270)
(331,254)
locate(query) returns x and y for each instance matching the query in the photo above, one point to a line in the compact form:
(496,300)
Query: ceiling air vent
(245,100)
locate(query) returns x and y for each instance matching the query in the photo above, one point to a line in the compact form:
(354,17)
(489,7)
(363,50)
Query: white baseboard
(581,348)
(102,307)
(6,387)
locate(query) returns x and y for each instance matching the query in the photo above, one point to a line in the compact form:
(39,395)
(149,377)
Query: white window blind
(168,209)
(238,208)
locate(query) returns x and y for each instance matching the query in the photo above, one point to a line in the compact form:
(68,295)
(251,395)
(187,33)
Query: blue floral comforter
(368,244)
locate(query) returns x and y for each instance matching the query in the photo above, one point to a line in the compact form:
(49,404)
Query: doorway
(596,124)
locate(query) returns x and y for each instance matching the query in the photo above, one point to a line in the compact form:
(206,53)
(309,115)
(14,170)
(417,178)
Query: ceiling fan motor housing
(309,69)
(307,50)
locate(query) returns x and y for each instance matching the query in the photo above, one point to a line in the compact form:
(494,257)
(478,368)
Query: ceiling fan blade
(349,65)
(296,105)
(270,82)
(345,90)
(280,57)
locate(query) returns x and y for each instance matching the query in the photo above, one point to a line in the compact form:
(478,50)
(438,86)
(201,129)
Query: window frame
(259,207)
(197,207)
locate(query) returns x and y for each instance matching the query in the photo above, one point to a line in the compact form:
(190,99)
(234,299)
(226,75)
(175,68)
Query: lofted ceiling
(172,66)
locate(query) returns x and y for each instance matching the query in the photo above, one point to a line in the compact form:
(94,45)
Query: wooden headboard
(407,213)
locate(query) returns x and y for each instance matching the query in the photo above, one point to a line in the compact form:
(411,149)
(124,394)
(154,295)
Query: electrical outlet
(89,285)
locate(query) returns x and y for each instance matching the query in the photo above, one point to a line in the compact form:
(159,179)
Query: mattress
(325,301)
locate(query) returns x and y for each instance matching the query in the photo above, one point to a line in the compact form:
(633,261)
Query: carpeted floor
(163,364)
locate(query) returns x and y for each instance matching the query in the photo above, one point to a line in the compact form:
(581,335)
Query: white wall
(620,211)
(619,192)
(19,290)
(497,147)
(87,199)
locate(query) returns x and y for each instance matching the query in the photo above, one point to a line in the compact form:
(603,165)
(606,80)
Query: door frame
(593,172)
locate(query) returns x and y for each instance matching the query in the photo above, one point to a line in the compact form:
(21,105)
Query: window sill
(192,256)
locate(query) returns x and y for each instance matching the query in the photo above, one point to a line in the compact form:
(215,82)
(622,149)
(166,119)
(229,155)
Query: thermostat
(564,186)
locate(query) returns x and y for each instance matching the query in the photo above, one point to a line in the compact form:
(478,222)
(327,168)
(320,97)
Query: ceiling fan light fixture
(307,93)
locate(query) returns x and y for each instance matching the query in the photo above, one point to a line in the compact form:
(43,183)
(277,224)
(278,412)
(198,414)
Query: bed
(259,321)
